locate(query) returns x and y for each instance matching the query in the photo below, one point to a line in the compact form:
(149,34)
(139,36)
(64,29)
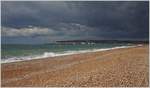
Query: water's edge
(52,54)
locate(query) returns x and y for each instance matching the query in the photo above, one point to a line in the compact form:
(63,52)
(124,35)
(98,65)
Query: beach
(126,67)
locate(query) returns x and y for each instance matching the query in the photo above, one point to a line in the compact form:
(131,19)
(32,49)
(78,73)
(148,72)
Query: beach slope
(111,68)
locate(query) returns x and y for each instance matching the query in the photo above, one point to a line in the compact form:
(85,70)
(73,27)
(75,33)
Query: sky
(36,22)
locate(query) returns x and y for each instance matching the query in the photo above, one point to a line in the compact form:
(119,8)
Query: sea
(21,52)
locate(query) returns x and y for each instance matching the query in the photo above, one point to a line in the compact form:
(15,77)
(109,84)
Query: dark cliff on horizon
(102,41)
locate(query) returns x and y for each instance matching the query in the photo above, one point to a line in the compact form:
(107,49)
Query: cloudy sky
(47,21)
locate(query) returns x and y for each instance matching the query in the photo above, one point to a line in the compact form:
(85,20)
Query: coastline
(52,54)
(116,67)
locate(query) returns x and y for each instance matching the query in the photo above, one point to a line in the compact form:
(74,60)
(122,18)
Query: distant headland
(101,41)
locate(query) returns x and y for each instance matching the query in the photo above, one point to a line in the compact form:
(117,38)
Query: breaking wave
(54,54)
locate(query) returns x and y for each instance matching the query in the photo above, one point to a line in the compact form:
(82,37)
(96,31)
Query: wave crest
(53,54)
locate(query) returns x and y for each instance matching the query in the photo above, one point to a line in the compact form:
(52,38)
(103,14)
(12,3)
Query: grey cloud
(77,20)
(26,32)
(62,29)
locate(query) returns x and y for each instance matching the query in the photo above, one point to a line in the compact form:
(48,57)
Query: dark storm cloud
(75,20)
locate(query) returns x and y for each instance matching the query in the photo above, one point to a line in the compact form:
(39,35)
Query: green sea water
(12,52)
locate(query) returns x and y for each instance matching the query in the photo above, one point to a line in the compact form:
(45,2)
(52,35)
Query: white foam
(52,54)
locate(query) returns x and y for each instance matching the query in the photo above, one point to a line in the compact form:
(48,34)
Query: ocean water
(19,52)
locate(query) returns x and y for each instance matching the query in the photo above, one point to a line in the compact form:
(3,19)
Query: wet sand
(112,68)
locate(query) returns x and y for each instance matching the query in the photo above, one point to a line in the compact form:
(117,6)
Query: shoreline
(72,53)
(112,68)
